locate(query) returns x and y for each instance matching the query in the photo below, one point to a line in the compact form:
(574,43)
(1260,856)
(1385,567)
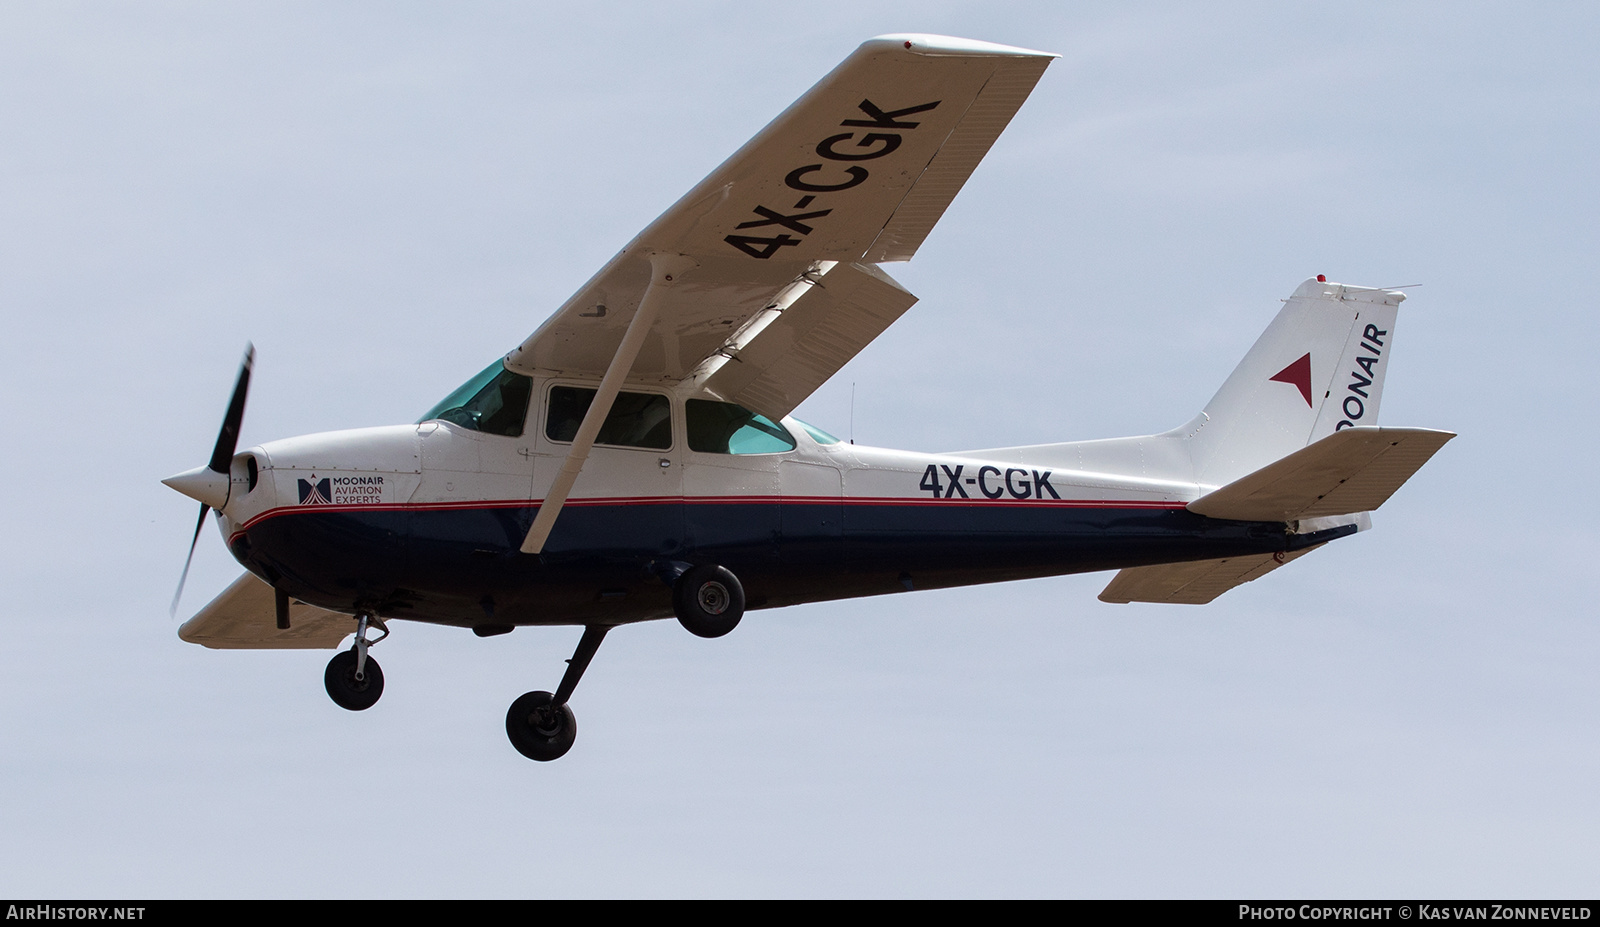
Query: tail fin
(1316,369)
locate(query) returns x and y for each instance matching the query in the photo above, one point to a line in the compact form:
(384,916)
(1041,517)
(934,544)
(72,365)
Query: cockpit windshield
(494,402)
(821,437)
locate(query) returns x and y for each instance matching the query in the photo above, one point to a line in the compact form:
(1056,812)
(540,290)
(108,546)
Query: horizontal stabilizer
(1351,470)
(1194,583)
(245,617)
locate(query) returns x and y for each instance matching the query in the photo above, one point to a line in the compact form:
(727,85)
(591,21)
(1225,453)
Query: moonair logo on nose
(342,490)
(318,493)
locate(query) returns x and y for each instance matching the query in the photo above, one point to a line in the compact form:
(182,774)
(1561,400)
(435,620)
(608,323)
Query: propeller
(211,484)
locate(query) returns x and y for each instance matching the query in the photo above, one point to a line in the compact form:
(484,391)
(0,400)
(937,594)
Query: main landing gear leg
(539,724)
(354,680)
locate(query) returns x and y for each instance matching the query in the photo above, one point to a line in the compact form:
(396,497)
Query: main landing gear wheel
(708,601)
(539,728)
(345,689)
(539,724)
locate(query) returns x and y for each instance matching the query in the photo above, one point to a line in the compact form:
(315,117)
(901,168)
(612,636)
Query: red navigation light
(1322,278)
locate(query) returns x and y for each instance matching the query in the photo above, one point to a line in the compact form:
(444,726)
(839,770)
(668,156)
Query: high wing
(855,172)
(244,617)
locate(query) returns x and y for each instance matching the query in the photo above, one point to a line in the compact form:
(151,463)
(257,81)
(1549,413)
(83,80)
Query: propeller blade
(221,460)
(228,438)
(173,611)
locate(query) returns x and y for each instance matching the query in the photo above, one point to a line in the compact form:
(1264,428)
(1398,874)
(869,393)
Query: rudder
(1318,367)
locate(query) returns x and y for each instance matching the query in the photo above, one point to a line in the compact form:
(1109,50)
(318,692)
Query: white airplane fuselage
(424,521)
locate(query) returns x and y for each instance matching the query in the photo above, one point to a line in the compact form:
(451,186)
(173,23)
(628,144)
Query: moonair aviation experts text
(1424,912)
(45,912)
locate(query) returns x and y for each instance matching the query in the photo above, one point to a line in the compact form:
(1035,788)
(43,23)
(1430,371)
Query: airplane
(635,458)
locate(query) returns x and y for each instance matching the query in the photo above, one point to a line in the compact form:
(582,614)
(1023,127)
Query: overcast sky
(386,196)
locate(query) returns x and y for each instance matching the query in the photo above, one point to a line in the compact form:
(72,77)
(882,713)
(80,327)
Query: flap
(245,617)
(812,329)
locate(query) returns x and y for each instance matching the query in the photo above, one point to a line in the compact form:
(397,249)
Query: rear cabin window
(494,402)
(724,428)
(636,419)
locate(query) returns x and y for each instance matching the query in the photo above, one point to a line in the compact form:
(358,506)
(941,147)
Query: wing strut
(664,270)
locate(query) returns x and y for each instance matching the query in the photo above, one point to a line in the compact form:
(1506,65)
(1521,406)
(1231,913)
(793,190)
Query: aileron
(947,173)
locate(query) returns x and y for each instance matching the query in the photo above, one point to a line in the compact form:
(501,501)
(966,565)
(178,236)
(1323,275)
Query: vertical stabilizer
(1317,368)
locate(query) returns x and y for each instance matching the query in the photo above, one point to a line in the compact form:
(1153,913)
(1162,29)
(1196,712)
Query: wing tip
(950,46)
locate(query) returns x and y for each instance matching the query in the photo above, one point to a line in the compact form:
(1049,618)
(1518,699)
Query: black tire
(348,692)
(708,601)
(540,729)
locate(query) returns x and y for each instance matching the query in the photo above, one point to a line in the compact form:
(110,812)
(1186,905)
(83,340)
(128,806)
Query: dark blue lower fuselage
(611,563)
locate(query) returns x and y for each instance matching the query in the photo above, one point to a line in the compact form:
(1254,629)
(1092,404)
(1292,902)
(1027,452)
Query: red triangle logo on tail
(1298,375)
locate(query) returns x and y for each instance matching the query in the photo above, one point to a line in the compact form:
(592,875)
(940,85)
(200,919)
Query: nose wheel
(354,680)
(348,691)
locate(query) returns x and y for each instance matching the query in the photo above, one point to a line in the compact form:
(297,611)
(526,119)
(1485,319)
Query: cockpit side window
(636,419)
(724,428)
(494,402)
